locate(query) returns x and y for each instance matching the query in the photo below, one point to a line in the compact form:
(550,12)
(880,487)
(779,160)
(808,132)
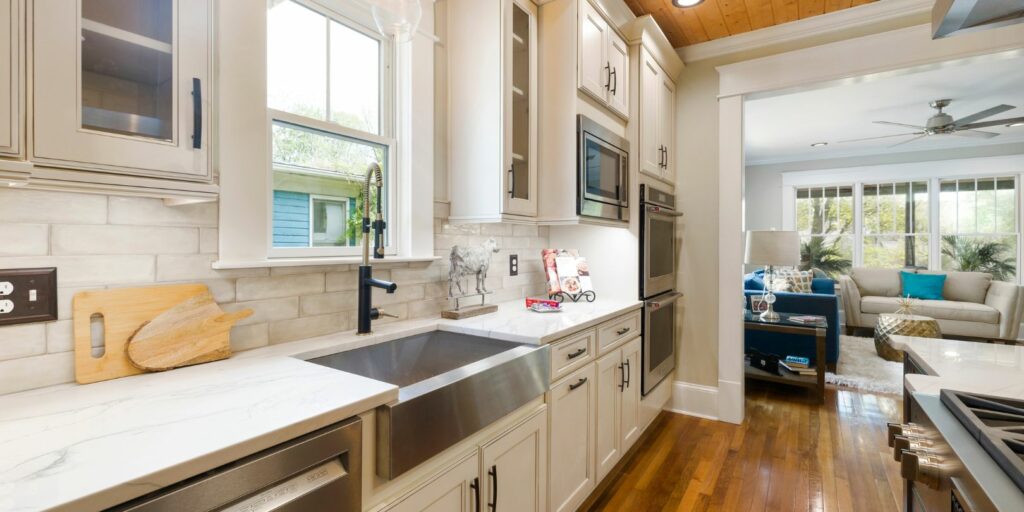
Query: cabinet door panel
(520,49)
(629,415)
(10,90)
(572,434)
(667,107)
(114,86)
(449,492)
(593,62)
(650,117)
(618,59)
(514,471)
(609,397)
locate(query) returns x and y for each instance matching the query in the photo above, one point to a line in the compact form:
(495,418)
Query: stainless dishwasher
(318,471)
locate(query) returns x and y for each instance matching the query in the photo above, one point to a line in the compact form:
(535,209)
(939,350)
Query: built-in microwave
(603,159)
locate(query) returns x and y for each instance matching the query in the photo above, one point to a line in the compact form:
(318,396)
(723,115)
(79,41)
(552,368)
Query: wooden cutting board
(123,311)
(193,332)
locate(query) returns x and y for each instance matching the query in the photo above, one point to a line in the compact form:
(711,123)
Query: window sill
(307,262)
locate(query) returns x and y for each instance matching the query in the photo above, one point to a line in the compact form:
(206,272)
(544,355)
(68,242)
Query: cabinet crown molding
(645,31)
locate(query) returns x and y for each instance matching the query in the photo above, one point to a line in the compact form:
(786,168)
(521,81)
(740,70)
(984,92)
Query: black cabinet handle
(197,114)
(666,157)
(615,80)
(622,331)
(608,75)
(622,377)
(493,472)
(582,381)
(511,182)
(625,372)
(661,156)
(577,353)
(476,491)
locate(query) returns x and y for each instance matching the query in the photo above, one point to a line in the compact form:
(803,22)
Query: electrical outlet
(31,295)
(513,264)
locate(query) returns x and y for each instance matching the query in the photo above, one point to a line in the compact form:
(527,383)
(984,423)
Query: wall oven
(603,160)
(657,241)
(659,339)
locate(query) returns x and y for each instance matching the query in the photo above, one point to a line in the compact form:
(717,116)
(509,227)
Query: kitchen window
(328,89)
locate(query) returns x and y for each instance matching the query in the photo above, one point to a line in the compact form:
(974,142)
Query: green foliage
(824,255)
(979,255)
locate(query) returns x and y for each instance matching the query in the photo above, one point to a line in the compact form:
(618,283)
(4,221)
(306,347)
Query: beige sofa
(975,306)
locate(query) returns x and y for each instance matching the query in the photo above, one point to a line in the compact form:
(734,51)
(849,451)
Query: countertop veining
(974,367)
(73,447)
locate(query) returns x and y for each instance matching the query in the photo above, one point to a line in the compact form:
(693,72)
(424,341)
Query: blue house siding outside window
(291,219)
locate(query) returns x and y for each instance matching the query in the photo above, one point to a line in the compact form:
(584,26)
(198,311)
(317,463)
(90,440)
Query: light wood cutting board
(124,311)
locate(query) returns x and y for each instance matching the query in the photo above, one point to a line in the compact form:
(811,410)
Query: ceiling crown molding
(853,17)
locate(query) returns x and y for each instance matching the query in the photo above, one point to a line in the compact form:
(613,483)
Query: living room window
(895,225)
(825,220)
(978,225)
(328,80)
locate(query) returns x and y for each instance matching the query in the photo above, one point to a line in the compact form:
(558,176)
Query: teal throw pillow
(923,286)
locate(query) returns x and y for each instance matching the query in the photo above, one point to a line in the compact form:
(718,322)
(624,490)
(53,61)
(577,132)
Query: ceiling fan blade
(908,140)
(997,122)
(975,134)
(901,124)
(882,137)
(998,109)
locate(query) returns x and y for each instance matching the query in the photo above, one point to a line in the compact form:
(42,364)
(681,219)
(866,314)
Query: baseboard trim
(694,400)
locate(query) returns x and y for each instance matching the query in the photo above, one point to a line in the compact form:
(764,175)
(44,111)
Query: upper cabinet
(492,88)
(123,87)
(657,119)
(603,65)
(10,77)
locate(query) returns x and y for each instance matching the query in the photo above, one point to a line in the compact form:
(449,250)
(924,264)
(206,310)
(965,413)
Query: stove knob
(918,467)
(895,429)
(900,445)
(901,429)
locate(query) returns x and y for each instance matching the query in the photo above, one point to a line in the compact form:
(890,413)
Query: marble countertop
(975,367)
(74,447)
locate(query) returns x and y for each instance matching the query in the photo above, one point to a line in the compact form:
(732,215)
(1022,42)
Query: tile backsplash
(98,241)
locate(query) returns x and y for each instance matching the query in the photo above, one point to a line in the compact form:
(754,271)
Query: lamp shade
(778,248)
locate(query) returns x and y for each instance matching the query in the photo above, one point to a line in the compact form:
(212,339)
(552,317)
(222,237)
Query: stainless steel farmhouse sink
(450,386)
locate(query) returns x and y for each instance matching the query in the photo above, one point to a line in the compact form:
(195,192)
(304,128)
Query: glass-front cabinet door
(10,77)
(520,180)
(122,86)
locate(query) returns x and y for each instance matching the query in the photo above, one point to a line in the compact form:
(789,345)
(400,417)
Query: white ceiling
(781,128)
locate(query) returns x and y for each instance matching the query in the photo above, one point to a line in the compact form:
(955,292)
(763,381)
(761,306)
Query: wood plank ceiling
(715,19)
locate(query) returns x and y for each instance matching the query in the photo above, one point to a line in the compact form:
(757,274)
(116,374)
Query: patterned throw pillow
(799,281)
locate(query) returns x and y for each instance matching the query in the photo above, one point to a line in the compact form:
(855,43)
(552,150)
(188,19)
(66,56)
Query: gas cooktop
(997,423)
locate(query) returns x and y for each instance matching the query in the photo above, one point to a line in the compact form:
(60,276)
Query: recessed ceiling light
(1011,125)
(686,3)
(816,144)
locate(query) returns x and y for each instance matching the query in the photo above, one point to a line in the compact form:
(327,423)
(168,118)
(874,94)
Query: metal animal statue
(466,261)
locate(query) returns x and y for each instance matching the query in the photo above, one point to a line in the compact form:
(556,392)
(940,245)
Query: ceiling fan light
(818,144)
(686,3)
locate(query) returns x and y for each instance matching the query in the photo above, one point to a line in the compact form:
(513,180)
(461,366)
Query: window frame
(354,18)
(863,235)
(1018,211)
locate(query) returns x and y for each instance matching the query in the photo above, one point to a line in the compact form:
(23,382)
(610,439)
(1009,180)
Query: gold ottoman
(890,324)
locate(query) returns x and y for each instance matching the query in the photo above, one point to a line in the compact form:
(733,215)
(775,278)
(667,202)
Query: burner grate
(997,423)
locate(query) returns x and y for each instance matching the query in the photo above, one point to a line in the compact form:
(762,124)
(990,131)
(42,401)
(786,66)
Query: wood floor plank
(790,454)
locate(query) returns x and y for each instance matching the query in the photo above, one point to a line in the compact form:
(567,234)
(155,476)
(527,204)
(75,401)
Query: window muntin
(978,225)
(824,218)
(894,219)
(326,89)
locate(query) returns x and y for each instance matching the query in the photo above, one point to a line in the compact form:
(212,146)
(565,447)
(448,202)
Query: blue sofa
(823,301)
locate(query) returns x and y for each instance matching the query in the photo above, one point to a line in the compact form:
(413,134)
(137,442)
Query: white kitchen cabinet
(492,77)
(603,61)
(618,405)
(452,491)
(11,77)
(572,408)
(123,87)
(514,469)
(657,119)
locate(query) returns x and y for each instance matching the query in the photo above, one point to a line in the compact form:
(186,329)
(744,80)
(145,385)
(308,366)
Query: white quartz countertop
(974,367)
(84,447)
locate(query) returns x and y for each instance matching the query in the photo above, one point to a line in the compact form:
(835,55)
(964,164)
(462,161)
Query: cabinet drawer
(614,331)
(572,353)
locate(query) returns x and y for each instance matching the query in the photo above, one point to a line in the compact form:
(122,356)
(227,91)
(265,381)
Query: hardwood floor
(790,454)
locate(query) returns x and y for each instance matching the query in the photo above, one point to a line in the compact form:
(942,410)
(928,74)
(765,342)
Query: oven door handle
(662,211)
(662,302)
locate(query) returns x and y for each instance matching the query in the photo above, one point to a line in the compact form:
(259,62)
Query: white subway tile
(153,212)
(208,240)
(312,269)
(22,340)
(81,240)
(94,271)
(64,298)
(325,303)
(254,288)
(19,205)
(245,337)
(264,311)
(191,267)
(428,308)
(496,230)
(402,294)
(24,239)
(310,326)
(524,230)
(60,336)
(36,372)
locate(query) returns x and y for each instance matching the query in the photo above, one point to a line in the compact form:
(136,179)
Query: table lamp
(772,249)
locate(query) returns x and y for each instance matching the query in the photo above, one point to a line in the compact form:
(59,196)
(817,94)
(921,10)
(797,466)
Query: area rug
(861,368)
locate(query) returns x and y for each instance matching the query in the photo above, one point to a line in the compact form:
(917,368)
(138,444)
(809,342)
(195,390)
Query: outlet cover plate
(29,283)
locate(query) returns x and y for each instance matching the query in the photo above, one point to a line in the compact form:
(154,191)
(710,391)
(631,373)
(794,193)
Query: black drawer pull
(577,353)
(494,488)
(622,331)
(197,114)
(582,381)
(476,491)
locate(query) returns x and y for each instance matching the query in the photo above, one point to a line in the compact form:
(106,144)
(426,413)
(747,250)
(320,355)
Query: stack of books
(798,365)
(807,319)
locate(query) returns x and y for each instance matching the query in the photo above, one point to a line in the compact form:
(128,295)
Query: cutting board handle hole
(99,344)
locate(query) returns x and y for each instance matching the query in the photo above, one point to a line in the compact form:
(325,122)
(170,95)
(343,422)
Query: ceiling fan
(943,124)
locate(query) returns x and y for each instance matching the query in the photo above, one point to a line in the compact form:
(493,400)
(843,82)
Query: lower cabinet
(618,404)
(452,491)
(571,408)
